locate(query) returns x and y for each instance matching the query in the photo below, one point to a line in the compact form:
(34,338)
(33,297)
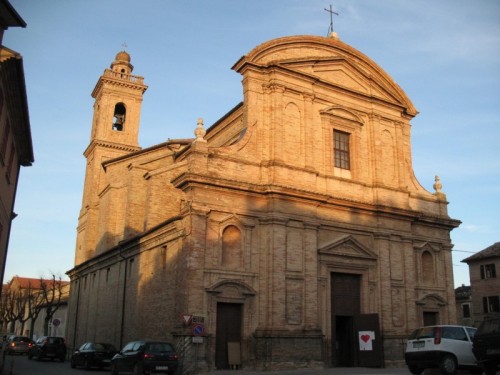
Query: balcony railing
(127,77)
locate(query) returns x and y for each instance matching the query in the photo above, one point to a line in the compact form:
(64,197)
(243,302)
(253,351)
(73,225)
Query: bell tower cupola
(118,98)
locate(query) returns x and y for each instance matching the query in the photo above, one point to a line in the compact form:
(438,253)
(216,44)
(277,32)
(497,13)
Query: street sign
(56,322)
(198,329)
(197,340)
(186,319)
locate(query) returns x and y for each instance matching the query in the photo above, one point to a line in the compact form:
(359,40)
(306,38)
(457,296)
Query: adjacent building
(16,147)
(463,298)
(485,283)
(35,307)
(294,221)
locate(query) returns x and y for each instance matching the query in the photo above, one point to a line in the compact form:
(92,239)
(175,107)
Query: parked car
(445,347)
(486,346)
(19,345)
(146,357)
(50,347)
(93,354)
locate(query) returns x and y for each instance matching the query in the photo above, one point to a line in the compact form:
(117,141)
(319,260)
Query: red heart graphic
(365,338)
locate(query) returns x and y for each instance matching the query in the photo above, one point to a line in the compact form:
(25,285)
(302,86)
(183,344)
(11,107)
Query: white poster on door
(366,340)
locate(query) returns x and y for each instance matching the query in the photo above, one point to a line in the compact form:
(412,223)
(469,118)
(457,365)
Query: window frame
(341,149)
(491,304)
(488,271)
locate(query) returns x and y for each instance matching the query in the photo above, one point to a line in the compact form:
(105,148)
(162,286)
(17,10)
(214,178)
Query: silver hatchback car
(446,347)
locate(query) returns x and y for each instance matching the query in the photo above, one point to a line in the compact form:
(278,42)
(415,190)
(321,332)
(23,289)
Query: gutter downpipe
(76,312)
(122,323)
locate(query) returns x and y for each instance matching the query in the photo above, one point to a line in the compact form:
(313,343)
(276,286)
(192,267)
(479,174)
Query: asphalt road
(21,365)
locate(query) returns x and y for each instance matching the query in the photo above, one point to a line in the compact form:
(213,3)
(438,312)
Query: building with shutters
(293,229)
(485,283)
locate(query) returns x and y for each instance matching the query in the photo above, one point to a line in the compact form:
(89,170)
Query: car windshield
(490,326)
(104,347)
(21,339)
(54,340)
(159,347)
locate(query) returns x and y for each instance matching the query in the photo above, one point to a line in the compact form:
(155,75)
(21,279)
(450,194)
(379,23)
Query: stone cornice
(104,144)
(119,79)
(285,192)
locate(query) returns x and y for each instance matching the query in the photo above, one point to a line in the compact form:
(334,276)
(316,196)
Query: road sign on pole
(198,329)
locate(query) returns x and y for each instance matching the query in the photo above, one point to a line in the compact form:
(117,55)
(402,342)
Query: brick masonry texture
(253,213)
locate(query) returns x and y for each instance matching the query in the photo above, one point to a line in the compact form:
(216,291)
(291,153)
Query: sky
(444,54)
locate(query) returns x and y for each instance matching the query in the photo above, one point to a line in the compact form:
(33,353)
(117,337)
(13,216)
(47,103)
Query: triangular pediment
(343,73)
(347,247)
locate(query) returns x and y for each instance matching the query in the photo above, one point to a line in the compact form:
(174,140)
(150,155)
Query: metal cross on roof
(330,29)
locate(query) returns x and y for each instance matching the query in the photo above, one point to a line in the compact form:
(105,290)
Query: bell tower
(115,132)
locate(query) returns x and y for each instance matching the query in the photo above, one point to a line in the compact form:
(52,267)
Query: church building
(290,233)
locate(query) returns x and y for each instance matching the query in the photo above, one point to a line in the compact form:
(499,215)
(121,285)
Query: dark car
(486,346)
(144,357)
(19,345)
(93,354)
(48,347)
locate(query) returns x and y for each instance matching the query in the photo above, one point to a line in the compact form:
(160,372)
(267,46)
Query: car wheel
(490,368)
(415,370)
(114,371)
(448,365)
(138,369)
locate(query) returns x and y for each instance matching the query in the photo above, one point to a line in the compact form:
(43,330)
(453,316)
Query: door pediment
(347,247)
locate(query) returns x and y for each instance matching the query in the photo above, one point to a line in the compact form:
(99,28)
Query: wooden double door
(356,340)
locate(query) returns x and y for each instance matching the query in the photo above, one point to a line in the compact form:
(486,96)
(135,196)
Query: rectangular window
(466,310)
(491,304)
(488,271)
(341,149)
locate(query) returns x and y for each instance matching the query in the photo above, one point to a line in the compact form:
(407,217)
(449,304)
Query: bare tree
(8,309)
(35,305)
(52,291)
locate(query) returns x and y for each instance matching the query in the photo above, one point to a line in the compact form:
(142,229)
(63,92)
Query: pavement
(335,371)
(327,371)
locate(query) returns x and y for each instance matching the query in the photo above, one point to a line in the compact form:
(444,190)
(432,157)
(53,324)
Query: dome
(122,63)
(122,56)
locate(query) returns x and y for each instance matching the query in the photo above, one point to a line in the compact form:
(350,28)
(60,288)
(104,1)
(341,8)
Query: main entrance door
(356,337)
(229,321)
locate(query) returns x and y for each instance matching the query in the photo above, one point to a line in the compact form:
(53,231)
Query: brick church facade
(290,233)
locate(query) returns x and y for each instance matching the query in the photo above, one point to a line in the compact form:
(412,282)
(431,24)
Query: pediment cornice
(347,246)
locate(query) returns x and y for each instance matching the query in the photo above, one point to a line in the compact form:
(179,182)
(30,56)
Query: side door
(368,342)
(126,356)
(82,354)
(457,341)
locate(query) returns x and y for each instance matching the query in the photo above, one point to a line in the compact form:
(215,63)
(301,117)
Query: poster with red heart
(366,340)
